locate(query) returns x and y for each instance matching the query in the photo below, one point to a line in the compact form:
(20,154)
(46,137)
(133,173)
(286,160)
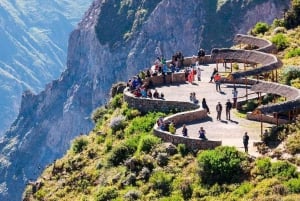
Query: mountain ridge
(48,121)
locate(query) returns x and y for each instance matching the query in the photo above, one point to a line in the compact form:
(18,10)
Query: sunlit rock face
(113,41)
(33,40)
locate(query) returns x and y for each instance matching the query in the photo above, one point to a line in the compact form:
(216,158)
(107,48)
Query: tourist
(184,131)
(246,141)
(155,94)
(234,94)
(217,79)
(204,105)
(199,74)
(228,108)
(149,93)
(213,74)
(219,110)
(202,134)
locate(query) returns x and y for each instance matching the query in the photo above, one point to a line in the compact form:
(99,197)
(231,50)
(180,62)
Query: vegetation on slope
(122,160)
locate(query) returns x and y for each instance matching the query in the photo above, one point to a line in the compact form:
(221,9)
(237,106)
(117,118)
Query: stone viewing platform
(229,132)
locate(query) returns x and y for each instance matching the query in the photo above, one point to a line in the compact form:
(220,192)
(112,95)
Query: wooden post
(261,125)
(276,75)
(246,81)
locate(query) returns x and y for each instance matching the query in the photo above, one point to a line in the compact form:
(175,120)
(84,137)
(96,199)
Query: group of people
(201,132)
(219,108)
(140,89)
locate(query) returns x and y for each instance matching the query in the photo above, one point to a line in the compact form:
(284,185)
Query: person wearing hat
(228,108)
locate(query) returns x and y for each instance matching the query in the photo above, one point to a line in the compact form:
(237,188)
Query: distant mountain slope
(49,120)
(33,45)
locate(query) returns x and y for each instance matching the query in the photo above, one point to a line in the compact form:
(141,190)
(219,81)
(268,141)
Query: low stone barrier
(147,104)
(191,143)
(174,78)
(265,118)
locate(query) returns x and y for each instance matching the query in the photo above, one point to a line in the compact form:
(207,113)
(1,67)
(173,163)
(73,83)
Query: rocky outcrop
(47,122)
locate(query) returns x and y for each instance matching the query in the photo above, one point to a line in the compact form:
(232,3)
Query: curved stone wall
(269,62)
(191,143)
(192,112)
(262,44)
(146,104)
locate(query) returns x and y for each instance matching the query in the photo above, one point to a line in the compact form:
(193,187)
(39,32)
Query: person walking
(234,94)
(217,79)
(213,74)
(219,110)
(228,108)
(204,105)
(246,141)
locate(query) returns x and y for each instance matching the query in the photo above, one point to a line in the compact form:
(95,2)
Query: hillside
(33,40)
(121,159)
(49,120)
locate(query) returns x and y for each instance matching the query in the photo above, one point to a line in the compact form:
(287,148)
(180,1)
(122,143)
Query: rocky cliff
(33,41)
(114,40)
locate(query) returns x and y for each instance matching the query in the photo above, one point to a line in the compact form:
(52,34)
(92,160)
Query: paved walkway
(230,132)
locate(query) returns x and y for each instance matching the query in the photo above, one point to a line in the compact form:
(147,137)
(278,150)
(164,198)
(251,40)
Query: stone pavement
(230,132)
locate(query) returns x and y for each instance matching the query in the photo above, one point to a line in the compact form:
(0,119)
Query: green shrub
(262,167)
(162,182)
(147,142)
(142,124)
(222,165)
(293,185)
(280,41)
(296,83)
(283,170)
(260,28)
(119,154)
(293,53)
(278,22)
(243,189)
(98,114)
(293,144)
(106,193)
(40,194)
(117,101)
(182,149)
(290,73)
(79,144)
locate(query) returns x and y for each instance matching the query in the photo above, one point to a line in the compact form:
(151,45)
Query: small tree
(280,41)
(222,165)
(260,28)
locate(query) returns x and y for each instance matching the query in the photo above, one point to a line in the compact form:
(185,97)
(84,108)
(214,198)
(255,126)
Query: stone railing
(262,44)
(146,104)
(266,118)
(191,143)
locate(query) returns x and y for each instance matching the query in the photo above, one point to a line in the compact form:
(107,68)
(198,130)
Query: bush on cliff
(222,165)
